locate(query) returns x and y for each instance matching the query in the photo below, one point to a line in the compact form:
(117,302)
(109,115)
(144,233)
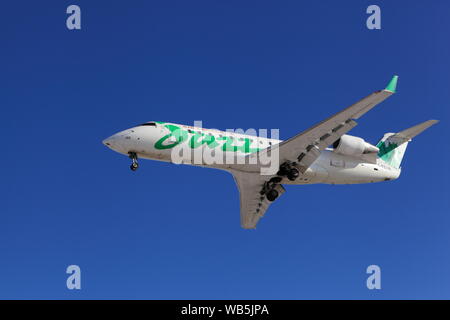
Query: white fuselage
(157,141)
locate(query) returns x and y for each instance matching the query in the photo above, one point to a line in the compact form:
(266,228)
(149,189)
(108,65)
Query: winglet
(392,84)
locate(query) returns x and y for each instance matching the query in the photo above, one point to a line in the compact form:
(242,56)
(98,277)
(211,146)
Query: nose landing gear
(134,163)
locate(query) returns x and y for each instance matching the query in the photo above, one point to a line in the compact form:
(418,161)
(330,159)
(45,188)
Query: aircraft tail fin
(393,145)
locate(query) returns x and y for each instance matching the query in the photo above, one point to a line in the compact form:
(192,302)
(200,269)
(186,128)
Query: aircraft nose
(108,142)
(112,142)
(120,142)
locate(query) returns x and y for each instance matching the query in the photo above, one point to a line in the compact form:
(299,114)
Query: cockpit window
(149,124)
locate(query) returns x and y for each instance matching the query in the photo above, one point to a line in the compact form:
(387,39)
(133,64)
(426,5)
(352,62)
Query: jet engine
(353,146)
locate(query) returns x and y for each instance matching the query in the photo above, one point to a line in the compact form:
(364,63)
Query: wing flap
(312,151)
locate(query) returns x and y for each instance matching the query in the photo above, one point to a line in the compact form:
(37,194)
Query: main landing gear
(287,170)
(134,163)
(272,195)
(269,189)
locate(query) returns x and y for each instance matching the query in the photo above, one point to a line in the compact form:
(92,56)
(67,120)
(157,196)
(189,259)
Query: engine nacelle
(353,146)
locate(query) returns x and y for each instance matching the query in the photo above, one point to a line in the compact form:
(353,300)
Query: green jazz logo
(178,135)
(385,150)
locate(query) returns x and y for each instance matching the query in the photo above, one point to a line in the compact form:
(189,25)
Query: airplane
(323,153)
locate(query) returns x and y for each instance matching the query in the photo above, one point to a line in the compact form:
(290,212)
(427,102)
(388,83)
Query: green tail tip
(392,84)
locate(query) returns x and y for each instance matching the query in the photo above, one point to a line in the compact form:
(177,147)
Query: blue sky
(171,231)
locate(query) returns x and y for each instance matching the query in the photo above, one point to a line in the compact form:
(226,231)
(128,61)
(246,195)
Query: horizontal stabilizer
(417,129)
(393,145)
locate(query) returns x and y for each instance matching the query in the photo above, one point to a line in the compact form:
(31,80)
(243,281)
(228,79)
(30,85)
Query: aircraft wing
(305,147)
(253,203)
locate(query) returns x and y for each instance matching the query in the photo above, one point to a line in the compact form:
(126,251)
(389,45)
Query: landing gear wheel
(275,180)
(272,194)
(288,170)
(284,170)
(134,164)
(293,174)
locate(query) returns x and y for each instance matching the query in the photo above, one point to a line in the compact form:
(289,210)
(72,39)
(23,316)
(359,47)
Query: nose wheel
(134,163)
